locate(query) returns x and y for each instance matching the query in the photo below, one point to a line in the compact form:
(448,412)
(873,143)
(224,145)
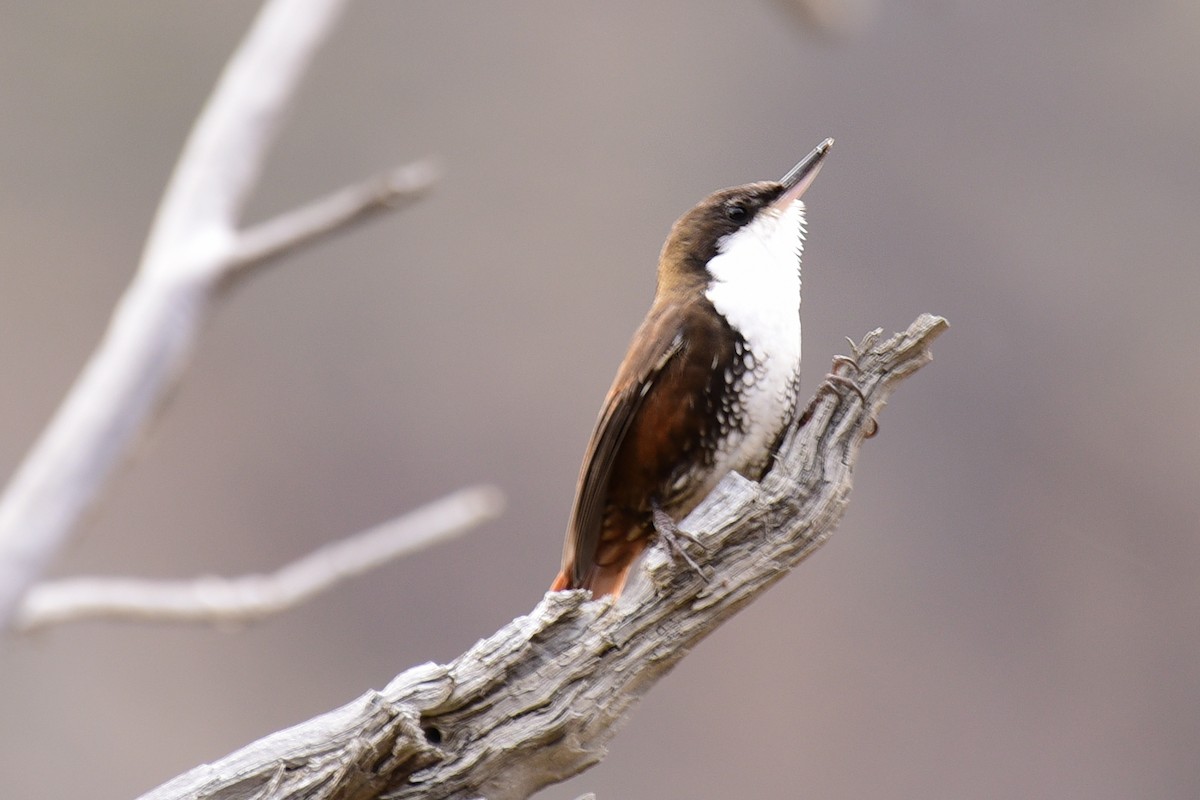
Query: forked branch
(538,702)
(195,248)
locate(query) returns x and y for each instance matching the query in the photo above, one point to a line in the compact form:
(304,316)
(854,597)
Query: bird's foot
(845,361)
(837,383)
(673,537)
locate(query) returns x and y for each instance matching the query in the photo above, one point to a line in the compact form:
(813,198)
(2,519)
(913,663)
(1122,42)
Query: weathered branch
(215,600)
(193,249)
(538,702)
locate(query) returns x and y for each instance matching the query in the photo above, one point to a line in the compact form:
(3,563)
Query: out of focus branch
(538,702)
(248,598)
(194,248)
(334,213)
(837,19)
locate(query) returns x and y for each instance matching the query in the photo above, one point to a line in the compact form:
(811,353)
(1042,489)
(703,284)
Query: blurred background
(1011,607)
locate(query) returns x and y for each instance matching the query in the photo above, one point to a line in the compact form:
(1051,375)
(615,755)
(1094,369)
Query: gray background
(1010,607)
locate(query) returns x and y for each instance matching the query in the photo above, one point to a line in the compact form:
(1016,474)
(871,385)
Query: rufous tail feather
(603,580)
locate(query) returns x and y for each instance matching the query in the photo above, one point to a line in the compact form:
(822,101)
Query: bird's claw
(671,535)
(837,383)
(846,361)
(834,380)
(853,349)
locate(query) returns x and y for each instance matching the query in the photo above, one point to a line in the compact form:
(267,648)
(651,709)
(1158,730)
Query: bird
(708,385)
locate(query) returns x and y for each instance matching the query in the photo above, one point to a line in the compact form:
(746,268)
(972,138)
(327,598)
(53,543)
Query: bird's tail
(602,579)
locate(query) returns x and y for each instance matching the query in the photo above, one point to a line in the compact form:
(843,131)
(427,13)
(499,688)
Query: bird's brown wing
(659,341)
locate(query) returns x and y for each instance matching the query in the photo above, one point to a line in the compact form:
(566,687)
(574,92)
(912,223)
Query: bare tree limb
(215,600)
(270,240)
(538,701)
(194,246)
(226,151)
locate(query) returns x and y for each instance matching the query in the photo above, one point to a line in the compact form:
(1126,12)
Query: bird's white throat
(755,283)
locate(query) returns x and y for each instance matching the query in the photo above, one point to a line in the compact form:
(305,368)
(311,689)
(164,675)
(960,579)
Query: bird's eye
(736,212)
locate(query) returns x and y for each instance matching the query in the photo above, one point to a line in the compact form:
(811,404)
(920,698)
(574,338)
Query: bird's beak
(801,176)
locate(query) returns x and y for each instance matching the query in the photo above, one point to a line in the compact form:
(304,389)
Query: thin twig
(216,600)
(333,213)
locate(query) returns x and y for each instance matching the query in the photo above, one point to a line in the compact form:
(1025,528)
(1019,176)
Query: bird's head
(757,220)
